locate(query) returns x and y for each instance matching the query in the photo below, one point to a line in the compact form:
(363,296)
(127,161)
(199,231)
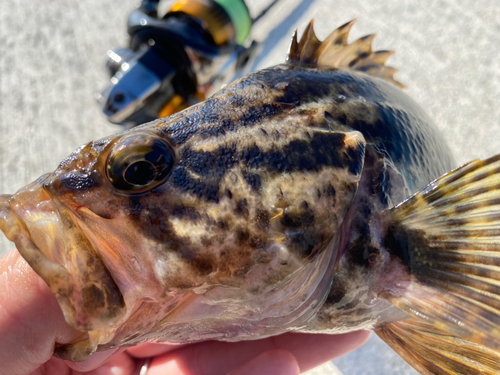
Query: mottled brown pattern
(236,217)
(256,190)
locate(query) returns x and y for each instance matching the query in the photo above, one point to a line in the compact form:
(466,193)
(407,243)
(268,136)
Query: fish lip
(44,227)
(23,219)
(10,222)
(16,229)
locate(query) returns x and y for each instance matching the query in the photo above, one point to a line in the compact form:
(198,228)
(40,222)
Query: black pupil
(140,173)
(140,163)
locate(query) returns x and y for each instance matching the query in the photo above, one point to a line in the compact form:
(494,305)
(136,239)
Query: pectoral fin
(430,350)
(447,239)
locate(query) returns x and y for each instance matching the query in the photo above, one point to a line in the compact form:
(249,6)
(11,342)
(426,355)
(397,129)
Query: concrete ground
(52,57)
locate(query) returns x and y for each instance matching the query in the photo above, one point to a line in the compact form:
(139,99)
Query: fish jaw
(85,260)
(60,253)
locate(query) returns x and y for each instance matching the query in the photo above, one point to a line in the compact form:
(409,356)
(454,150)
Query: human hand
(31,322)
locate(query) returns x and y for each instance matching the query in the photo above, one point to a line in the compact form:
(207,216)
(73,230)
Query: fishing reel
(175,60)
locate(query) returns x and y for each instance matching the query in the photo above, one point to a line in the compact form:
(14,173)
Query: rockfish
(305,197)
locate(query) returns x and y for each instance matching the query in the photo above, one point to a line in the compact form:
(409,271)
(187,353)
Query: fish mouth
(47,237)
(29,214)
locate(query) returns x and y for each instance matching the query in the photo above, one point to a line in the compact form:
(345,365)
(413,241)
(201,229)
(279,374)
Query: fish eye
(139,163)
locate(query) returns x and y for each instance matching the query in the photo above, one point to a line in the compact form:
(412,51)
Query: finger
(96,360)
(213,357)
(151,350)
(119,364)
(312,350)
(272,362)
(31,321)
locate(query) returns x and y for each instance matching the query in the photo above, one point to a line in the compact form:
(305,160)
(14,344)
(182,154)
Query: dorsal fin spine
(335,52)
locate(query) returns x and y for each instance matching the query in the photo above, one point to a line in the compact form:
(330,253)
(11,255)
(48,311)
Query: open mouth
(54,246)
(29,219)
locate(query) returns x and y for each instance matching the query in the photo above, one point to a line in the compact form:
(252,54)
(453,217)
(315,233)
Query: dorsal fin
(335,52)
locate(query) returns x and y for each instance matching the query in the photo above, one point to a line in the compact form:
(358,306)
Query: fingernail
(94,361)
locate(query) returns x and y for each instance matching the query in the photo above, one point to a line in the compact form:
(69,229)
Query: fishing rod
(178,59)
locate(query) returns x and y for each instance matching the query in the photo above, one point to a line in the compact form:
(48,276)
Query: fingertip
(94,361)
(353,340)
(272,362)
(361,337)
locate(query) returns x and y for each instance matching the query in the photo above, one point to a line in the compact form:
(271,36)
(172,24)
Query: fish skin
(273,180)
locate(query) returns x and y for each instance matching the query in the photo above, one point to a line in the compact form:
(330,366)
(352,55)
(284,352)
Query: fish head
(201,225)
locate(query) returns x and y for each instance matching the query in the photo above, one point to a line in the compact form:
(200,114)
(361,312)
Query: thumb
(31,321)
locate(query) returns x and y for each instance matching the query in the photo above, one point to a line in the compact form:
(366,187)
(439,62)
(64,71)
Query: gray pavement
(52,57)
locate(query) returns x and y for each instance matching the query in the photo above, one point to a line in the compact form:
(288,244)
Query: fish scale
(280,204)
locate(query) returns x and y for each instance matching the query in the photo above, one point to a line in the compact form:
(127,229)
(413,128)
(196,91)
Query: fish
(313,196)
